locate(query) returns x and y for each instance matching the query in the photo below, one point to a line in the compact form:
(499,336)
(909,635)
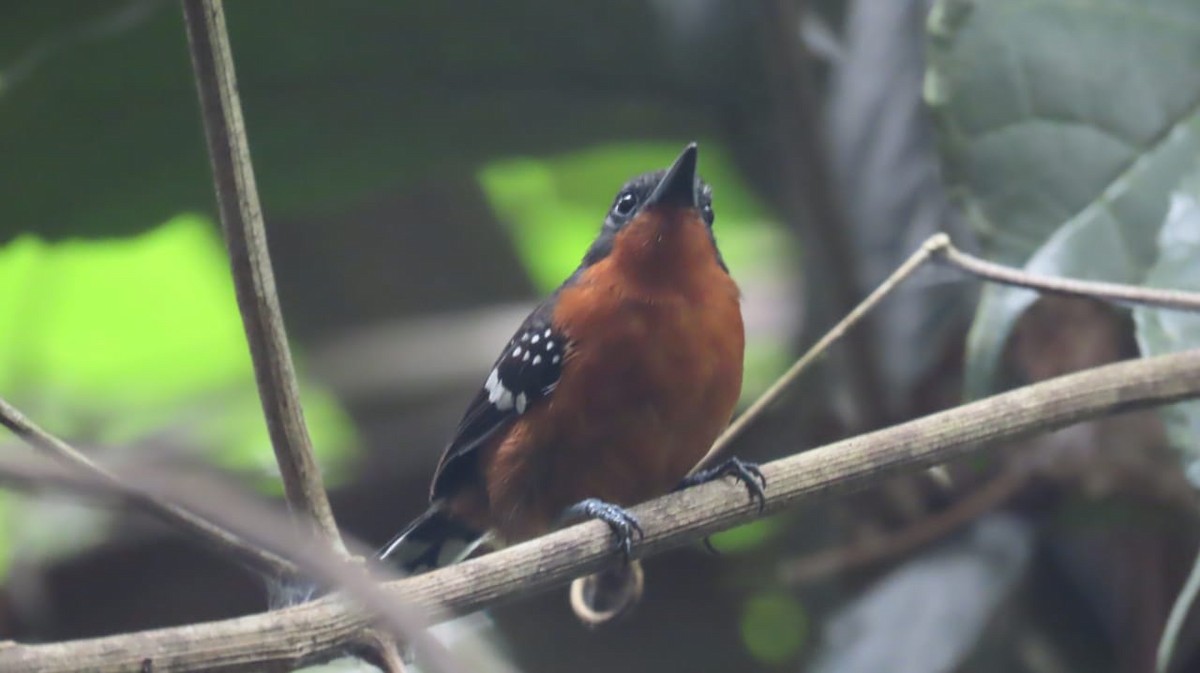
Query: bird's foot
(623,524)
(748,473)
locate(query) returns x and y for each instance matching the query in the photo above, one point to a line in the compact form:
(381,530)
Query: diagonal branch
(253,278)
(263,526)
(220,539)
(671,521)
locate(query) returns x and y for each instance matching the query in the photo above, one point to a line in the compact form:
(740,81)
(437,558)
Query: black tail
(431,541)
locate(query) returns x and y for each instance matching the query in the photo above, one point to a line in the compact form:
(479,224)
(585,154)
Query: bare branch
(253,278)
(263,526)
(940,247)
(219,539)
(893,545)
(789,378)
(670,521)
(1114,292)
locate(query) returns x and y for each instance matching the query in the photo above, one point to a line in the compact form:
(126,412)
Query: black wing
(526,372)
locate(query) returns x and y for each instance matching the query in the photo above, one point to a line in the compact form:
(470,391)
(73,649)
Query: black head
(677,186)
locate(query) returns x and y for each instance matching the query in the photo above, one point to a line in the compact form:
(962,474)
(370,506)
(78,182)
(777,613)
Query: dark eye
(625,204)
(708,214)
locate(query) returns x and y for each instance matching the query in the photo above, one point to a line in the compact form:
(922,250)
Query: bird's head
(660,216)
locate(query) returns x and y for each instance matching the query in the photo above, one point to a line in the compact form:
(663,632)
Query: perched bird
(609,393)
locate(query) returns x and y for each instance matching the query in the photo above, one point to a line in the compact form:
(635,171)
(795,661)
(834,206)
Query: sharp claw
(622,524)
(748,473)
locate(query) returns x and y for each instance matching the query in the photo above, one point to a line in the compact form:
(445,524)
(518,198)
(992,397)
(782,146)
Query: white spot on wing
(537,359)
(536,338)
(498,395)
(521,402)
(516,351)
(556,359)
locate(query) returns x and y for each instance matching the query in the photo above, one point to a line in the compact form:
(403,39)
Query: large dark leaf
(1064,126)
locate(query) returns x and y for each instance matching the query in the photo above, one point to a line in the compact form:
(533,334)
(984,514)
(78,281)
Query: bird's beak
(678,186)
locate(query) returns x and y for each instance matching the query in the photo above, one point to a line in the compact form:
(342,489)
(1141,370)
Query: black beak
(678,186)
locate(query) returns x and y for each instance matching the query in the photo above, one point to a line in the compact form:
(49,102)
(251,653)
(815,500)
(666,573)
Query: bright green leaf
(1064,125)
(774,627)
(136,344)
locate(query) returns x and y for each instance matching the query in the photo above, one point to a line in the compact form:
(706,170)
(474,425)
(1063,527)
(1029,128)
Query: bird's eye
(625,204)
(707,212)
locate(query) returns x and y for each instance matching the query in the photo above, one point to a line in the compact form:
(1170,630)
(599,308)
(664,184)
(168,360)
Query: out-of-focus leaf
(774,627)
(1162,331)
(554,207)
(926,616)
(882,149)
(136,344)
(6,532)
(1064,125)
(747,536)
(1175,621)
(331,120)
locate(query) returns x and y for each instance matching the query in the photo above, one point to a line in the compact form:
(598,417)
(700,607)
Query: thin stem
(253,278)
(263,526)
(1114,292)
(789,378)
(218,538)
(936,526)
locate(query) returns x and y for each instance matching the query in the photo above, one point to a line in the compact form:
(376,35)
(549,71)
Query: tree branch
(670,521)
(945,251)
(221,540)
(253,278)
(874,550)
(265,527)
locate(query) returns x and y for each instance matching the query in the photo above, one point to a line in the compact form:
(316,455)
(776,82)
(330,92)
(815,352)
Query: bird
(609,393)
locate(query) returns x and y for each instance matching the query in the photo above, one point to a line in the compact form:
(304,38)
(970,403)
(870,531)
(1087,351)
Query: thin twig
(939,246)
(253,278)
(671,521)
(219,539)
(1114,292)
(936,526)
(789,378)
(263,526)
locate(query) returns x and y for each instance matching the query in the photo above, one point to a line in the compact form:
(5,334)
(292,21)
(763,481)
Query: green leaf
(1163,331)
(136,344)
(774,627)
(1063,127)
(746,537)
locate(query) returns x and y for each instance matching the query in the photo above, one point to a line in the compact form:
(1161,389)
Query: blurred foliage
(1164,331)
(554,206)
(1064,126)
(748,537)
(331,121)
(138,340)
(774,627)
